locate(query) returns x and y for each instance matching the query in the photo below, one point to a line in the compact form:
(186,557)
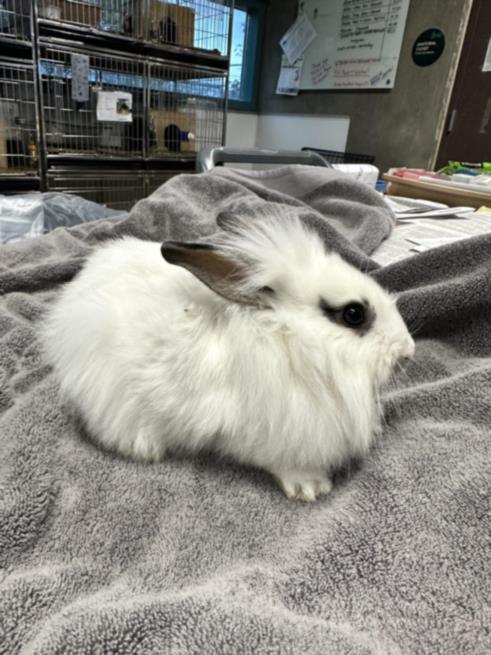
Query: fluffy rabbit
(263,346)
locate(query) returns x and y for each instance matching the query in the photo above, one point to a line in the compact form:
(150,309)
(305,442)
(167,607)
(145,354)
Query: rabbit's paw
(304,485)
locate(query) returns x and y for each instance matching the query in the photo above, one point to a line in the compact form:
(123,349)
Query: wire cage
(92,103)
(15,19)
(18,133)
(186,110)
(99,104)
(117,189)
(202,24)
(113,16)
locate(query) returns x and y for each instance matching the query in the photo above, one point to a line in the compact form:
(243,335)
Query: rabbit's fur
(239,347)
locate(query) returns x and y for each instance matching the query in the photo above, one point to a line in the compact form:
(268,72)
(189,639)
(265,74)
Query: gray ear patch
(170,248)
(222,272)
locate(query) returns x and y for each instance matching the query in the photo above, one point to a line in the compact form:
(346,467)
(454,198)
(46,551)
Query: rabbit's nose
(408,349)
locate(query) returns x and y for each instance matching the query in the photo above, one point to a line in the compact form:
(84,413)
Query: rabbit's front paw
(303,485)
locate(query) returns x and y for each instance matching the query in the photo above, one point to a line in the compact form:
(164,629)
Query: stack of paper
(422,225)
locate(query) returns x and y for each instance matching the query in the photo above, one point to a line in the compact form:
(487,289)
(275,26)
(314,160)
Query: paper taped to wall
(289,77)
(298,38)
(114,106)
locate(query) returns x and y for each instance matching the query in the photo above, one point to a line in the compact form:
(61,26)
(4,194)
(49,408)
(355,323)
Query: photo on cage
(122,107)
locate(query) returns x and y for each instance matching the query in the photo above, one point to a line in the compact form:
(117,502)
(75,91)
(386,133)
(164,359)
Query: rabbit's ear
(219,271)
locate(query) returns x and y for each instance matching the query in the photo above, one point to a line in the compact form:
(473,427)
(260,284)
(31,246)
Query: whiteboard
(357,44)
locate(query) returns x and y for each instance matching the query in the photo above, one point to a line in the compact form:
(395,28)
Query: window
(247,31)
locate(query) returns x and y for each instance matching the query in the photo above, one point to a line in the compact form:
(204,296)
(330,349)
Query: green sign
(428,47)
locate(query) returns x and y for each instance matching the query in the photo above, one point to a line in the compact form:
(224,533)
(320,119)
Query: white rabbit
(263,346)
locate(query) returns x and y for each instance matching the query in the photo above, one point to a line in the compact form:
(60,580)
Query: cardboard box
(170,24)
(164,128)
(84,12)
(423,190)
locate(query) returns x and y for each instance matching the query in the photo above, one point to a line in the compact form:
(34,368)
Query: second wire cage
(186,106)
(199,24)
(117,189)
(15,19)
(100,104)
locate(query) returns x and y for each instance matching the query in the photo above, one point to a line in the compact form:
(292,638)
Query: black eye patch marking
(328,310)
(354,315)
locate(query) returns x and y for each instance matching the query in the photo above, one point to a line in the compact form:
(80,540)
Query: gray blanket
(103,555)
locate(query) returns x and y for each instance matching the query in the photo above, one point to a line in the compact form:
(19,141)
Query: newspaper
(417,231)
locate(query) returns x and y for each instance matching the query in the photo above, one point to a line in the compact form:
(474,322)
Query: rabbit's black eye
(357,316)
(354,314)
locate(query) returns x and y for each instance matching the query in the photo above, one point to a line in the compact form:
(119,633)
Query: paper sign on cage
(80,77)
(114,106)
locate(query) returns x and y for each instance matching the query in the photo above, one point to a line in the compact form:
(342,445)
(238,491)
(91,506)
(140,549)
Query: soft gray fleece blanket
(103,555)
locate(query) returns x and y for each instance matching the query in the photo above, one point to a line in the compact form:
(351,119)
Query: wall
(401,126)
(241,129)
(293,131)
(286,131)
